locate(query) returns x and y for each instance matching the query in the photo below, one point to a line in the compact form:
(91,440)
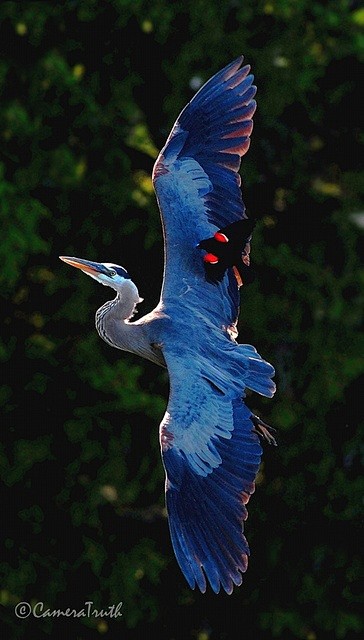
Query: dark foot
(263,430)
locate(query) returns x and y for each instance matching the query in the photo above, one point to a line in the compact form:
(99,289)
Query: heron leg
(263,430)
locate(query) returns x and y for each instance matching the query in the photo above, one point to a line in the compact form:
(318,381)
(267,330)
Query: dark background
(89,91)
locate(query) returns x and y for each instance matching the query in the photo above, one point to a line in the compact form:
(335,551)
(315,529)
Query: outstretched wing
(210,450)
(198,188)
(211,457)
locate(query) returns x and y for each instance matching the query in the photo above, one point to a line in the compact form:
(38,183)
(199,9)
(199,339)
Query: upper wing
(197,185)
(211,457)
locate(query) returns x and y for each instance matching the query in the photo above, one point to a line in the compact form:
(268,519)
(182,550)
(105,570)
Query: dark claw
(263,430)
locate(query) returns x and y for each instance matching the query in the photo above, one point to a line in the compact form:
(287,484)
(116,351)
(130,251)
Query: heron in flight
(209,438)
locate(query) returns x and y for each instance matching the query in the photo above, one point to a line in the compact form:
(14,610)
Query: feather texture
(198,187)
(210,448)
(209,443)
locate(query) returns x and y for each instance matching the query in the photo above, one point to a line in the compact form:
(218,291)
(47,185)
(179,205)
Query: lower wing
(211,456)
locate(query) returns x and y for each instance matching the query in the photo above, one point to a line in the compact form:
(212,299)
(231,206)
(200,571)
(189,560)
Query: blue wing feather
(210,450)
(199,189)
(206,513)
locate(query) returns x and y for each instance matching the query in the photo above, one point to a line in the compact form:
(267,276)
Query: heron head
(107,273)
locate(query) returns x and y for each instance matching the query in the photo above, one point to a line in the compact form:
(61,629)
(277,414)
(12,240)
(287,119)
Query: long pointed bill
(86,265)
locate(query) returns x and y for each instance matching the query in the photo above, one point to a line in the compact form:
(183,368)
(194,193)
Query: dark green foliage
(89,91)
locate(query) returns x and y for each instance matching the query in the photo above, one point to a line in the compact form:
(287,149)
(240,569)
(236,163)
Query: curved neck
(113,326)
(123,306)
(112,318)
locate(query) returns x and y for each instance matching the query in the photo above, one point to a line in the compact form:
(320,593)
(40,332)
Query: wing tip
(237,62)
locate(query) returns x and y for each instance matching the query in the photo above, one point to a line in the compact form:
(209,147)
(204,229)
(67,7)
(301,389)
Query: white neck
(127,298)
(113,326)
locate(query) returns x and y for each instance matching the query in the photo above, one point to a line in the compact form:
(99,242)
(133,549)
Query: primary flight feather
(209,438)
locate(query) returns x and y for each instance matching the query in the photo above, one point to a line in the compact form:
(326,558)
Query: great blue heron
(209,438)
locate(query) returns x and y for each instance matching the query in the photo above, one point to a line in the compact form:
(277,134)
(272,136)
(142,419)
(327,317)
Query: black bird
(229,247)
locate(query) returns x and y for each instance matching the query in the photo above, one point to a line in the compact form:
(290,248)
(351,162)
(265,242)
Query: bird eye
(112,273)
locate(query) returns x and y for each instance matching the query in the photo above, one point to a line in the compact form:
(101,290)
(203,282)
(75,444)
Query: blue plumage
(209,438)
(206,513)
(210,446)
